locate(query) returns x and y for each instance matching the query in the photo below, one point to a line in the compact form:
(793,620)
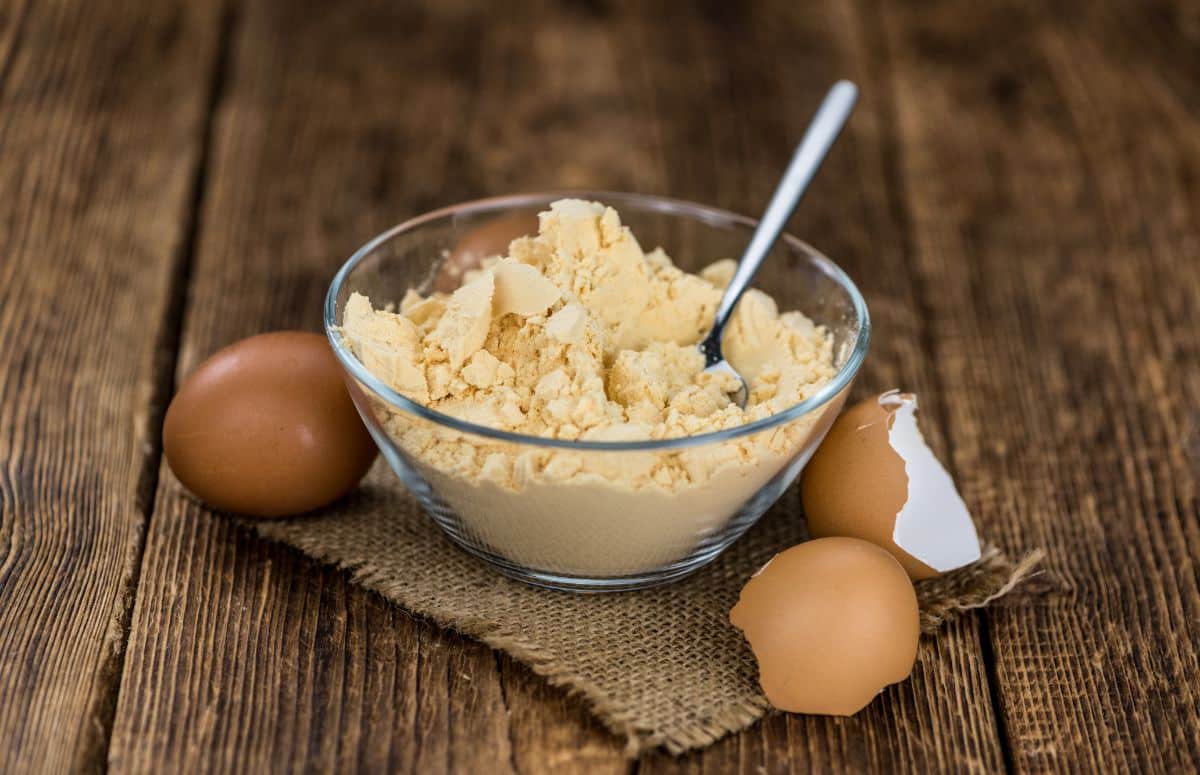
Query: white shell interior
(934,524)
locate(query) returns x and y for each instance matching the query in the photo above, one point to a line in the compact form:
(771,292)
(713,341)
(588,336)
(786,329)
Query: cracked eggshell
(875,478)
(831,623)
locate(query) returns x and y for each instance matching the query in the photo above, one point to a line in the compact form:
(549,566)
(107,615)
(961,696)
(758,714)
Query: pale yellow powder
(579,334)
(578,330)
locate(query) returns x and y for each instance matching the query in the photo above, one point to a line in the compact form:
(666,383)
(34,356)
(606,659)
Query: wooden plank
(552,732)
(338,120)
(774,66)
(102,110)
(1049,161)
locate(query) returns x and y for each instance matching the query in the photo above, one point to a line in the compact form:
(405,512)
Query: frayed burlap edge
(979,584)
(951,595)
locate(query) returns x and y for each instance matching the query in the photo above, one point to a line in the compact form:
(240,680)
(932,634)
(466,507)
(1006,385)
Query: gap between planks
(166,354)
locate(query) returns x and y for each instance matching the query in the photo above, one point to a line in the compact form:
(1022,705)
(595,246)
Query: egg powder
(578,334)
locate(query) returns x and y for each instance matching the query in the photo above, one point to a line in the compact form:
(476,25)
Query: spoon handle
(820,136)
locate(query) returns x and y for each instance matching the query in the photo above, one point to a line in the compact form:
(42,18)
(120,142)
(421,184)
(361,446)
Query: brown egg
(266,428)
(831,622)
(874,478)
(490,238)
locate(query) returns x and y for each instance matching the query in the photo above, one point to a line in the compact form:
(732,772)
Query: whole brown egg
(265,427)
(831,623)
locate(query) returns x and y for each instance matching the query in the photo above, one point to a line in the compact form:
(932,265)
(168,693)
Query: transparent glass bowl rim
(665,205)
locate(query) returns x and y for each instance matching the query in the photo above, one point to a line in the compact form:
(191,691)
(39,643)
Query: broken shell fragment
(875,478)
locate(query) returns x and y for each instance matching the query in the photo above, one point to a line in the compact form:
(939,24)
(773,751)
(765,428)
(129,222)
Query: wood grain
(102,108)
(1049,165)
(274,234)
(1017,197)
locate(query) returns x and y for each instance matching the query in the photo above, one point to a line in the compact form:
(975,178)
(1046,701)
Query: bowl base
(589,585)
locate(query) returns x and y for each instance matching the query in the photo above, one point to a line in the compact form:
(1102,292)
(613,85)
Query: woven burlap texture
(660,667)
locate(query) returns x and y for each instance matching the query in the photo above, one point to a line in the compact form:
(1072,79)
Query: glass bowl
(590,533)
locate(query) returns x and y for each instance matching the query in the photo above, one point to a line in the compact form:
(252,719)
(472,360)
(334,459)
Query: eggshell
(934,524)
(831,622)
(265,427)
(874,478)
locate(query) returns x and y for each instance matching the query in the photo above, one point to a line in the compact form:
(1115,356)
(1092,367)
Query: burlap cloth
(660,667)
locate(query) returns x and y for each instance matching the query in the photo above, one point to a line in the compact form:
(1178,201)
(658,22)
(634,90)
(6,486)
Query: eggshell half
(934,524)
(875,478)
(831,622)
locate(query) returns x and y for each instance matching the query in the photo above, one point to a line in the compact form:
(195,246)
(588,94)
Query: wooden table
(1018,196)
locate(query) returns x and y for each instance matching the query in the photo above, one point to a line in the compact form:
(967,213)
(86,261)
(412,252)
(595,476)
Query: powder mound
(577,333)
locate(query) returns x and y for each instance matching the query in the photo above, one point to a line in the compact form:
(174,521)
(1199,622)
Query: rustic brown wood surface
(1017,196)
(102,110)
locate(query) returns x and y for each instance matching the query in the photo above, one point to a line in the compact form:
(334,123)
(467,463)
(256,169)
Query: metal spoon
(818,139)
